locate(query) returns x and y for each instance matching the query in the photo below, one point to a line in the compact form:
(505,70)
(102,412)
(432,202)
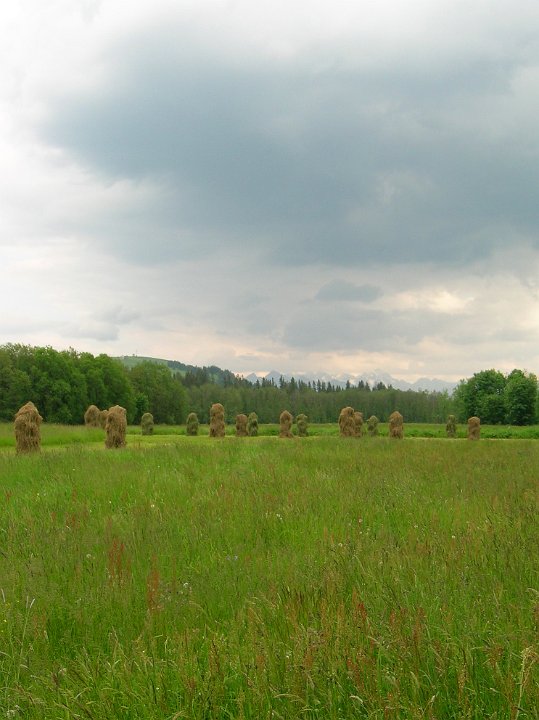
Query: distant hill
(217,375)
(214,374)
(131,361)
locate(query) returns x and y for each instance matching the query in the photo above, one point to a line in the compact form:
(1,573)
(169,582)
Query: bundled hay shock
(285,421)
(103,418)
(217,420)
(27,430)
(474,428)
(92,417)
(302,422)
(347,425)
(241,425)
(252,425)
(372,426)
(358,423)
(451,426)
(146,424)
(396,425)
(191,427)
(116,427)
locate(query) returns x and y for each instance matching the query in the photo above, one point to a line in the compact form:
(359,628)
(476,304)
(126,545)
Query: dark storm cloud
(339,166)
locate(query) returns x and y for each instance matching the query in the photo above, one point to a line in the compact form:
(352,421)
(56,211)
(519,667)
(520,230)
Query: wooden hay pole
(396,425)
(302,422)
(27,429)
(217,420)
(285,422)
(191,427)
(347,425)
(241,425)
(474,428)
(252,425)
(92,417)
(358,423)
(451,427)
(372,426)
(116,427)
(147,424)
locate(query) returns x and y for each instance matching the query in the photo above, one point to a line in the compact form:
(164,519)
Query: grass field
(66,435)
(318,578)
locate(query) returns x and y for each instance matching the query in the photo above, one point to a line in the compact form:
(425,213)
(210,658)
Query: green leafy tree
(491,409)
(521,397)
(58,386)
(15,386)
(119,389)
(165,394)
(94,373)
(142,406)
(482,395)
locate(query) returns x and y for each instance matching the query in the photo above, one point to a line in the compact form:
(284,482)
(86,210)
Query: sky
(307,187)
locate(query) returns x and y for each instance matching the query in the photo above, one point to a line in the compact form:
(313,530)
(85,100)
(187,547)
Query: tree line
(62,384)
(268,401)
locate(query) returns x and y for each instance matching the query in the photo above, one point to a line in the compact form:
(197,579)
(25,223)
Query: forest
(62,384)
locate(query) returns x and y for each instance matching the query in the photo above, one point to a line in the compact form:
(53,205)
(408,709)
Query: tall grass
(55,435)
(321,578)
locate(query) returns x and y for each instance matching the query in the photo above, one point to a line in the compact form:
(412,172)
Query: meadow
(54,435)
(264,578)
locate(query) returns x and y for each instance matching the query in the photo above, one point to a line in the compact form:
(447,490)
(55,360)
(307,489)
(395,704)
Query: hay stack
(358,423)
(27,432)
(217,420)
(347,426)
(302,421)
(191,427)
(474,428)
(116,427)
(103,418)
(92,417)
(396,425)
(241,425)
(372,426)
(285,420)
(146,424)
(252,425)
(451,426)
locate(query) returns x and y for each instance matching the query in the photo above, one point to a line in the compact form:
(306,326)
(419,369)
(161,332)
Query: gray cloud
(368,330)
(215,190)
(90,330)
(116,315)
(342,165)
(337,290)
(101,325)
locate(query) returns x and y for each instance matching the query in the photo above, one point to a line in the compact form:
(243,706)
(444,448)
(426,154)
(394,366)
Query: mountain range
(373,378)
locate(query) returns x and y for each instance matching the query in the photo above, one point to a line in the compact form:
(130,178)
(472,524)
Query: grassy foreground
(317,578)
